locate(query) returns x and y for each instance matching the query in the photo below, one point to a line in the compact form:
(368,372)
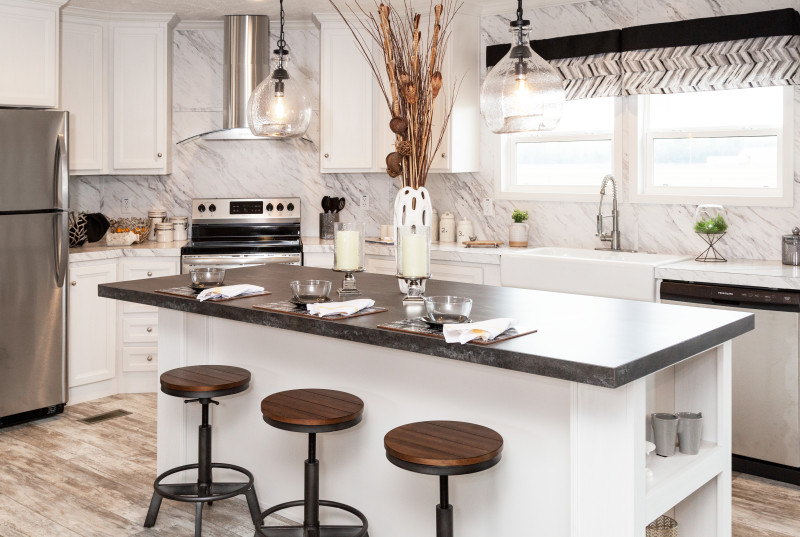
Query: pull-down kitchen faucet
(613,236)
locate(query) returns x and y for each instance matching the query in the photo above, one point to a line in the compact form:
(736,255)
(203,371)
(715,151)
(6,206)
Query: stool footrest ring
(190,492)
(324,530)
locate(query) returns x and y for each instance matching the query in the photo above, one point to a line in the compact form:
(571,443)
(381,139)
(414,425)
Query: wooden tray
(378,240)
(483,244)
(292,309)
(420,328)
(188,292)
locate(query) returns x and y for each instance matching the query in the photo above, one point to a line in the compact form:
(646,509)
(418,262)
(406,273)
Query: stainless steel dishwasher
(766,374)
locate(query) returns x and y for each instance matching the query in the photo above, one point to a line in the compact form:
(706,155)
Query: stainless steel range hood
(246,64)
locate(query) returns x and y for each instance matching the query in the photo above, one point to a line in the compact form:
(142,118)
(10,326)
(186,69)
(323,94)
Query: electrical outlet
(488,206)
(365,202)
(126,206)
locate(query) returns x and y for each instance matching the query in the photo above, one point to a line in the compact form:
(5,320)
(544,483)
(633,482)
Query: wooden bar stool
(200,384)
(312,411)
(443,448)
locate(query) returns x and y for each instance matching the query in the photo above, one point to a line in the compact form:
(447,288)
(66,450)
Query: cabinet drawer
(140,359)
(140,269)
(140,330)
(456,273)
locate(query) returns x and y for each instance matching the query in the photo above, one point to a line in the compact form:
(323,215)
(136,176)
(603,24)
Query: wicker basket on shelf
(139,226)
(663,526)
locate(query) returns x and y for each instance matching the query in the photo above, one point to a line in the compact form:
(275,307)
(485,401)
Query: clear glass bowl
(206,278)
(310,291)
(447,309)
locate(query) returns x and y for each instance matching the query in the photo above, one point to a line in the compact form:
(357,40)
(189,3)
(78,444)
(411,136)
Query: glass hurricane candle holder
(414,259)
(348,254)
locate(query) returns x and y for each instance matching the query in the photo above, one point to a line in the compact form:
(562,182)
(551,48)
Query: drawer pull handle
(73,283)
(149,274)
(149,328)
(327,155)
(160,155)
(149,358)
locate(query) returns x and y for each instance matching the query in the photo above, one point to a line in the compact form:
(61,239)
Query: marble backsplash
(284,168)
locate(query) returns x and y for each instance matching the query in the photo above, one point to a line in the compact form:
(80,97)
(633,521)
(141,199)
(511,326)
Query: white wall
(262,168)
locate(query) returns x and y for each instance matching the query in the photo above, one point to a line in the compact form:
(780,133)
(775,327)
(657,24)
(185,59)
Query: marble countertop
(634,340)
(750,273)
(100,250)
(440,251)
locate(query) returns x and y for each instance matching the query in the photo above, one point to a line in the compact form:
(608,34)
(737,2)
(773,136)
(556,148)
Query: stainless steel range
(232,233)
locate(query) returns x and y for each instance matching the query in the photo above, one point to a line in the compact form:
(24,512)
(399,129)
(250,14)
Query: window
(566,163)
(733,146)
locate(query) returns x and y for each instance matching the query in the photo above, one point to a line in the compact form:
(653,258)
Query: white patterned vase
(518,235)
(412,207)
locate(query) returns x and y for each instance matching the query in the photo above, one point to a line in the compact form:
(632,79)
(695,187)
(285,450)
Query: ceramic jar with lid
(156,216)
(791,248)
(180,227)
(447,227)
(164,232)
(464,231)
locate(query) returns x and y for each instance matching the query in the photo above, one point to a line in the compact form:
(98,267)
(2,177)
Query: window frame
(642,190)
(505,187)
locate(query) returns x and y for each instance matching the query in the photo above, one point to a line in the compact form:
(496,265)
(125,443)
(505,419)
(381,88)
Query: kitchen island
(570,400)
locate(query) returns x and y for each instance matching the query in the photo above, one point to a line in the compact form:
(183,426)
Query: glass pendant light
(523,92)
(279,107)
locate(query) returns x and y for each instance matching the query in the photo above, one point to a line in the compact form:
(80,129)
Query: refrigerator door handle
(61,182)
(60,231)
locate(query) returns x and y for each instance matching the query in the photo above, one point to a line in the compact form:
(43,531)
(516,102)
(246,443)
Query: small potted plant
(518,232)
(710,225)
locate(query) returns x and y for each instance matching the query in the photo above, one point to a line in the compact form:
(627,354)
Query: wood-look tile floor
(63,478)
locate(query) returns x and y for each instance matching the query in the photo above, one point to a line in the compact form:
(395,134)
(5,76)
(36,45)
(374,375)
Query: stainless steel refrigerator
(34,250)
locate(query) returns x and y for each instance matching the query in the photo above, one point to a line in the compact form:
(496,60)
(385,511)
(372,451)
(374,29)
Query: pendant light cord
(519,19)
(282,40)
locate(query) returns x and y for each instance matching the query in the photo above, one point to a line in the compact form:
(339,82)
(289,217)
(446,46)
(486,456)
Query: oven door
(188,262)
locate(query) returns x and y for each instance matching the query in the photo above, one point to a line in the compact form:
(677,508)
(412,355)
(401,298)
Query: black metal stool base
(302,531)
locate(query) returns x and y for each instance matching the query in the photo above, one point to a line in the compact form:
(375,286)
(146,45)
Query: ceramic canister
(180,227)
(447,227)
(156,216)
(464,231)
(164,232)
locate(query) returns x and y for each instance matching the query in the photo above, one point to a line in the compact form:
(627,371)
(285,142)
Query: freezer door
(33,313)
(34,170)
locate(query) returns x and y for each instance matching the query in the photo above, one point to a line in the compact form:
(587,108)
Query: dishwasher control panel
(722,294)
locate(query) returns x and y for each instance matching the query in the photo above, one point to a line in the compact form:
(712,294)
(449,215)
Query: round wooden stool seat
(443,447)
(205,381)
(312,410)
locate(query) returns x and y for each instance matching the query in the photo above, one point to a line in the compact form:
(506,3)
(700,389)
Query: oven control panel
(251,209)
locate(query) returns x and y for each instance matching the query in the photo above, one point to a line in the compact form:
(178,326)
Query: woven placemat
(420,328)
(293,309)
(188,292)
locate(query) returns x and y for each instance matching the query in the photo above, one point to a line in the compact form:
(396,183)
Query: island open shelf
(570,401)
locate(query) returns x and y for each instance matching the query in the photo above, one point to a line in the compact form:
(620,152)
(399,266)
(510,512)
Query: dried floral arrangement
(414,79)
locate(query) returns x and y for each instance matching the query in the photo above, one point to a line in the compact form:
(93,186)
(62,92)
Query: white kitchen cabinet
(117,85)
(29,59)
(146,267)
(440,270)
(83,92)
(92,324)
(354,118)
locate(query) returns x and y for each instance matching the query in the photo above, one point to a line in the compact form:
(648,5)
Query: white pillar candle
(415,255)
(347,250)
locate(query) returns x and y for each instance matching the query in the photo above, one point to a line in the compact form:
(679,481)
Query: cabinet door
(83,94)
(457,272)
(92,330)
(139,269)
(346,102)
(140,99)
(28,54)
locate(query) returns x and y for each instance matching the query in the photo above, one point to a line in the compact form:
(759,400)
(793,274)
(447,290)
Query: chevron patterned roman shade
(735,51)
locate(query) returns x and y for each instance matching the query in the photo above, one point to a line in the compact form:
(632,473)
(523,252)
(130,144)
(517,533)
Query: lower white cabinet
(440,270)
(92,325)
(113,346)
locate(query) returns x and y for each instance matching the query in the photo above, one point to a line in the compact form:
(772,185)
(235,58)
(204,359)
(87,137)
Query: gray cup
(665,431)
(690,432)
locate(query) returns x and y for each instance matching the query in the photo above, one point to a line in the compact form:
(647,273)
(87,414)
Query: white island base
(573,462)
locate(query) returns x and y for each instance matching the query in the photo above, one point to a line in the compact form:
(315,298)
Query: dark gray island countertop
(599,341)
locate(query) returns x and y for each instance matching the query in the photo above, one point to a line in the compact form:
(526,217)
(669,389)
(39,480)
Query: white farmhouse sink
(585,272)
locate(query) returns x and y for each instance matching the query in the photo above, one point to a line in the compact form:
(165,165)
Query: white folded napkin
(332,308)
(484,330)
(229,291)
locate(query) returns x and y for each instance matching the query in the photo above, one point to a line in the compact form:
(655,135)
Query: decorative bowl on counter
(207,278)
(447,309)
(311,291)
(128,227)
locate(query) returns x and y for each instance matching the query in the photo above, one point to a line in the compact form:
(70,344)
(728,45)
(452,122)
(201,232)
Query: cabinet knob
(327,155)
(73,283)
(444,155)
(149,328)
(149,274)
(160,155)
(149,358)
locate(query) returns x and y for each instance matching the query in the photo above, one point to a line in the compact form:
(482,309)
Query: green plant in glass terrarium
(710,224)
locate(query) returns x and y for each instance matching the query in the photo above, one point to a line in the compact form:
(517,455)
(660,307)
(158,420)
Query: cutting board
(483,244)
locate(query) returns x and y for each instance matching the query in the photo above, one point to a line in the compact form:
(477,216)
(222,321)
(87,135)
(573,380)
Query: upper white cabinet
(125,61)
(354,118)
(29,52)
